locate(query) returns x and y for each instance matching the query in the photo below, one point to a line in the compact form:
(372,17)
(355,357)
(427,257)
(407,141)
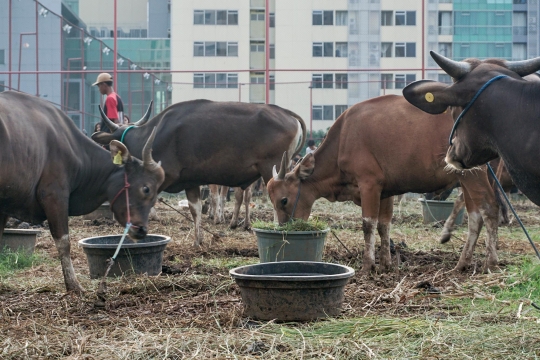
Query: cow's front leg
(57,216)
(248,193)
(213,194)
(220,213)
(450,222)
(370,199)
(383,227)
(195,207)
(238,199)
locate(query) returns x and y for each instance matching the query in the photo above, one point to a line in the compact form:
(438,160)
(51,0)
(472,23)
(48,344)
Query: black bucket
(292,290)
(142,257)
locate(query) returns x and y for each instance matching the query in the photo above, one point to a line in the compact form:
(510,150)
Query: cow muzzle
(137,232)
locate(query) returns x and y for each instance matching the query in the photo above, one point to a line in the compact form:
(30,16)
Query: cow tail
(304,132)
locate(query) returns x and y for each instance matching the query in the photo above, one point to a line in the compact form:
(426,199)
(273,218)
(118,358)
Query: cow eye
(283,201)
(146,189)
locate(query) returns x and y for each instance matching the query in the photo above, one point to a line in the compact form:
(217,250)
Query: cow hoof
(445,238)
(76,289)
(460,268)
(368,269)
(233,225)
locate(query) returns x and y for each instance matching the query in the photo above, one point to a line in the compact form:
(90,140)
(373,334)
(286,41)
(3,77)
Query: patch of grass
(11,261)
(524,282)
(227,263)
(312,224)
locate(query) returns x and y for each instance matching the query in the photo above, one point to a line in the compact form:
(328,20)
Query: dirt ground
(196,291)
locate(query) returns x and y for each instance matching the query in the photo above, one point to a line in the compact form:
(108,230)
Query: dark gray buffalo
(503,121)
(49,170)
(205,142)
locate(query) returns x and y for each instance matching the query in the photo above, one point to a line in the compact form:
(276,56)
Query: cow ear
(429,96)
(306,167)
(119,153)
(102,137)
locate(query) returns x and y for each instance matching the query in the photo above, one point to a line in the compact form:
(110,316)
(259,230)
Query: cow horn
(456,69)
(146,116)
(110,124)
(148,162)
(283,168)
(524,67)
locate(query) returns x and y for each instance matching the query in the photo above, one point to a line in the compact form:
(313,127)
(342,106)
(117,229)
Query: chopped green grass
(226,262)
(313,224)
(11,261)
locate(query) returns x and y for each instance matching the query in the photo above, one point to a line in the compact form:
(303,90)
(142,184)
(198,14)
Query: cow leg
(195,207)
(213,193)
(370,199)
(248,193)
(475,226)
(238,199)
(57,216)
(450,222)
(383,228)
(220,213)
(3,222)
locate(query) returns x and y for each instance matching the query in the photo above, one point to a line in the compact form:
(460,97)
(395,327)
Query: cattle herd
(376,149)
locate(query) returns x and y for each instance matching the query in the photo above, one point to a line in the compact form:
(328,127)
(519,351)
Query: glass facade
(482,29)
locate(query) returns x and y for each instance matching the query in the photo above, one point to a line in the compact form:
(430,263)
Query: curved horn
(283,168)
(148,161)
(146,116)
(456,69)
(274,173)
(524,67)
(110,124)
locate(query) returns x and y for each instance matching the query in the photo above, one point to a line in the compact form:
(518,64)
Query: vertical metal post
(10,52)
(115,51)
(37,53)
(267,51)
(311,110)
(423,40)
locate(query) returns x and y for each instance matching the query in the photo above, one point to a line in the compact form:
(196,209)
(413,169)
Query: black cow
(205,142)
(50,170)
(502,121)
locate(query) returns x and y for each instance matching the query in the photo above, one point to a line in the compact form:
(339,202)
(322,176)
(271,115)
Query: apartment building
(328,55)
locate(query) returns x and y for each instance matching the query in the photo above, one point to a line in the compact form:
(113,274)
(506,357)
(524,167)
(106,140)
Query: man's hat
(102,78)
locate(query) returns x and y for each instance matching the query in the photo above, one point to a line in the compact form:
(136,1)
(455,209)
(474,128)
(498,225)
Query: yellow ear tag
(429,97)
(117,158)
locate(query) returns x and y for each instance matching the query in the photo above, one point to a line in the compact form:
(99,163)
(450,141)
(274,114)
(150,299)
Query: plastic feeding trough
(292,290)
(19,239)
(142,257)
(290,245)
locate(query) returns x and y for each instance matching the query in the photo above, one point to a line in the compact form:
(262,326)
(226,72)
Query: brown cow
(376,149)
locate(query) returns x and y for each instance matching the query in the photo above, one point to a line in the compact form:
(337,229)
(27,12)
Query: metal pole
(37,52)
(423,40)
(311,110)
(9,46)
(267,51)
(115,52)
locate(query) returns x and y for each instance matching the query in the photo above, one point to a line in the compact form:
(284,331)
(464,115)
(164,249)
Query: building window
(403,80)
(272,51)
(211,48)
(387,81)
(323,17)
(341,81)
(341,49)
(340,109)
(257,15)
(405,50)
(209,17)
(215,80)
(272,82)
(316,81)
(198,17)
(445,49)
(232,49)
(444,78)
(258,78)
(386,18)
(341,18)
(272,20)
(323,49)
(232,17)
(257,46)
(405,18)
(2,86)
(323,112)
(386,49)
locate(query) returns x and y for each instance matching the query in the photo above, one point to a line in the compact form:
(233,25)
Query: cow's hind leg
(383,228)
(195,207)
(220,213)
(238,199)
(450,222)
(370,199)
(248,193)
(213,194)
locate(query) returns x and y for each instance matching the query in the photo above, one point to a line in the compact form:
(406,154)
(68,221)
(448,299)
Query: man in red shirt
(114,107)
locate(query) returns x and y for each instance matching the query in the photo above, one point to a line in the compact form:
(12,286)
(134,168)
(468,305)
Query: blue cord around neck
(124,133)
(471,103)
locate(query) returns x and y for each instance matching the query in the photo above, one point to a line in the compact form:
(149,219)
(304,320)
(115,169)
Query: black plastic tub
(142,257)
(292,290)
